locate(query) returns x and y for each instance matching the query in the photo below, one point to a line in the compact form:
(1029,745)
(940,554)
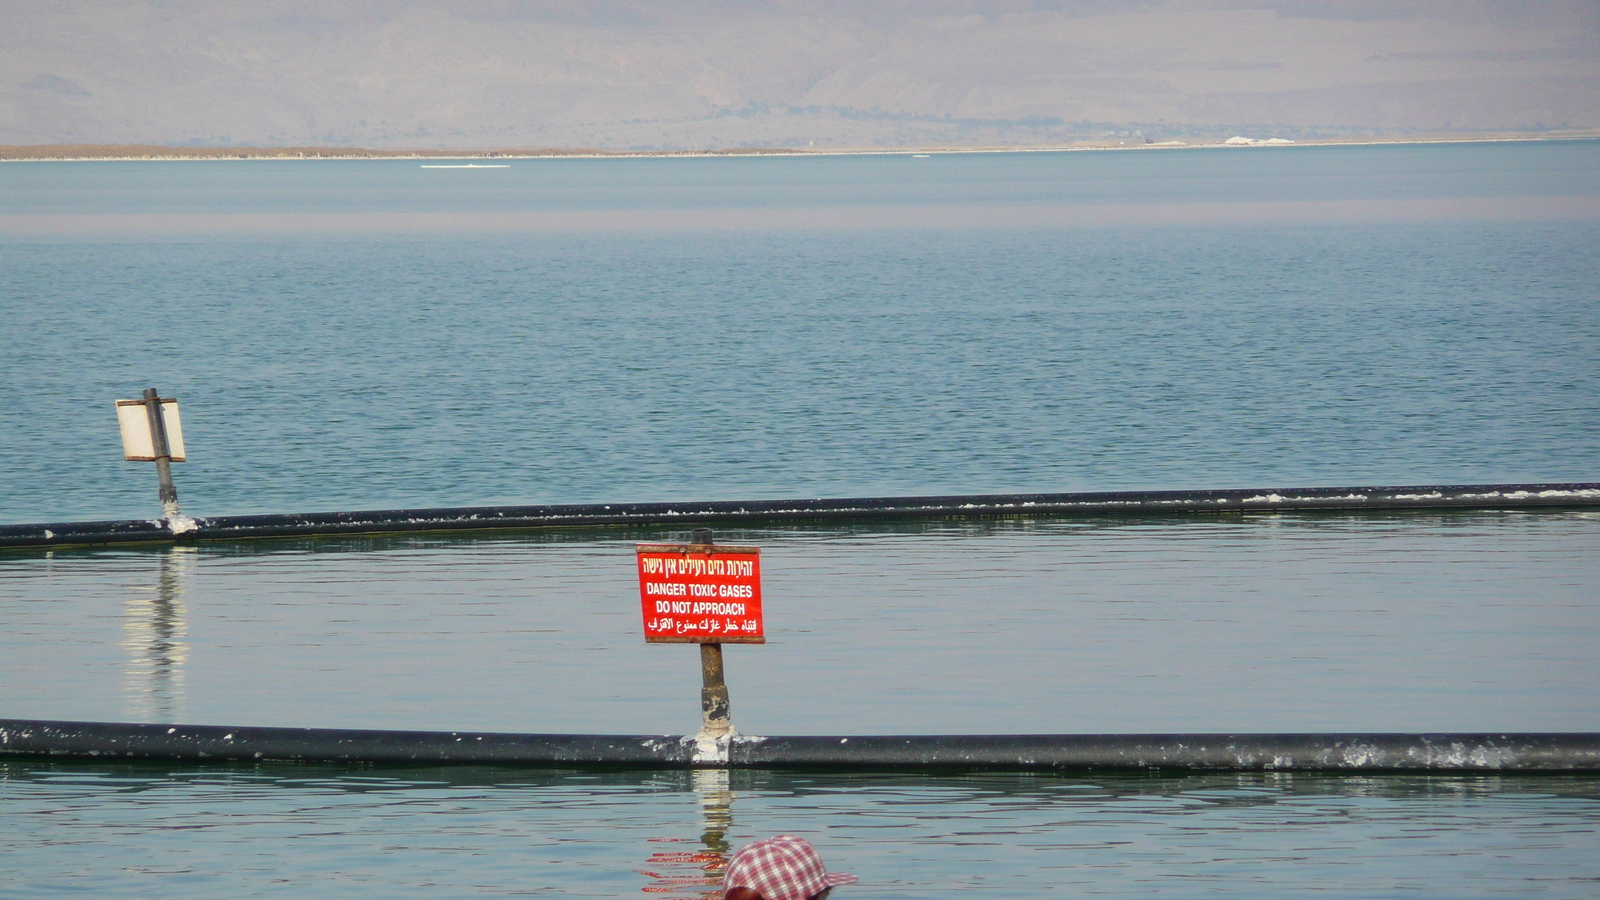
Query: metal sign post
(152,431)
(702,593)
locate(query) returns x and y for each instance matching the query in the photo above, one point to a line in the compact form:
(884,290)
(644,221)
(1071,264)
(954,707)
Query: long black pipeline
(757,512)
(1341,752)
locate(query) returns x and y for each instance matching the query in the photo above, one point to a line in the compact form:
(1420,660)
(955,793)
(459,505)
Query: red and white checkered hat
(781,868)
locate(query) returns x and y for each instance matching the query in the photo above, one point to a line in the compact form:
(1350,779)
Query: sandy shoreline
(147,152)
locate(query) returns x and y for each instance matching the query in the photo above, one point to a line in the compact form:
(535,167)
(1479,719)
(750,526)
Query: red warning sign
(701,594)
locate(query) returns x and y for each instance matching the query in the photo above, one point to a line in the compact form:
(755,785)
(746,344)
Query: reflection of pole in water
(697,875)
(154,623)
(716,801)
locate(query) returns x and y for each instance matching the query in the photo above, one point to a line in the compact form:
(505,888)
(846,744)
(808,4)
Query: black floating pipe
(1340,752)
(757,512)
(119,740)
(1457,752)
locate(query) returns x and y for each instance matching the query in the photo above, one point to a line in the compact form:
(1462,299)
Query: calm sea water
(347,335)
(1465,622)
(307,831)
(372,334)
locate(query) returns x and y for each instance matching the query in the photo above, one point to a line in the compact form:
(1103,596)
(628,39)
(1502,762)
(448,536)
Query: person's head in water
(779,868)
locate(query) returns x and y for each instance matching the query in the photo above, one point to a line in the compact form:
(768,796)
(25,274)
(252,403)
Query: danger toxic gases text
(701,593)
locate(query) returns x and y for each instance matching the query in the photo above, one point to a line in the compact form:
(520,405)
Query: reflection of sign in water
(701,594)
(154,627)
(685,874)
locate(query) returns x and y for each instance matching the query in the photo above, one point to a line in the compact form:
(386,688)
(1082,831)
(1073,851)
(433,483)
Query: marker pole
(716,720)
(163,453)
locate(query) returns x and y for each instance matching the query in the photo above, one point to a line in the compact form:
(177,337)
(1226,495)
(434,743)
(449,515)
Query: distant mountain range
(681,74)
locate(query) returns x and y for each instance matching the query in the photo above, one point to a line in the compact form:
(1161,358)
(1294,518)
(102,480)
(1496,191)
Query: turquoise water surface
(370,334)
(276,831)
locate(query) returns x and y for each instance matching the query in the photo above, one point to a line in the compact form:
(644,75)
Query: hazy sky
(714,73)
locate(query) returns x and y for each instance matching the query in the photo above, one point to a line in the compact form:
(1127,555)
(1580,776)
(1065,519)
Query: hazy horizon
(688,74)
